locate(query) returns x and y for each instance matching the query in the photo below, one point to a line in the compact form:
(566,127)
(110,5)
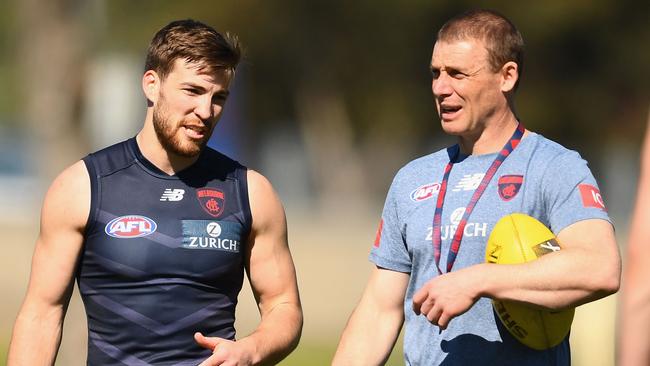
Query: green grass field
(4,348)
(321,354)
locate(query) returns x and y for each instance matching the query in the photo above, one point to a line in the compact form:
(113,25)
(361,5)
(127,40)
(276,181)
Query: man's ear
(151,85)
(509,76)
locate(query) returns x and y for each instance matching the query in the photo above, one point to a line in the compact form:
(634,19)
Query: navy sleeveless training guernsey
(163,256)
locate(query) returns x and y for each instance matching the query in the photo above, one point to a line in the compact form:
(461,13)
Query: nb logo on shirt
(469,182)
(172,194)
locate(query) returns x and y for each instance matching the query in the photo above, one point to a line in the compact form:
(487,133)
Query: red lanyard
(458,236)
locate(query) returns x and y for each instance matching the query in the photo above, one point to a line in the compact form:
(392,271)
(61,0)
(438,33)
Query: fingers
(207,342)
(212,361)
(443,321)
(424,304)
(418,299)
(210,343)
(433,314)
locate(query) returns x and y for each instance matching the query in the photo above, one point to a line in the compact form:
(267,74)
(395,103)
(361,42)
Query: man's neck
(491,138)
(163,159)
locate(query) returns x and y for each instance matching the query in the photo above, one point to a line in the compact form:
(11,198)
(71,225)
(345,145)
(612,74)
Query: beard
(168,134)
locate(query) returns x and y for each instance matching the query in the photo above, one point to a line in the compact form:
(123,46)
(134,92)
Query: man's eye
(191,91)
(435,74)
(457,75)
(219,99)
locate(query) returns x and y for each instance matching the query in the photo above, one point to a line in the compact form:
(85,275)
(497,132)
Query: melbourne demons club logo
(212,200)
(509,186)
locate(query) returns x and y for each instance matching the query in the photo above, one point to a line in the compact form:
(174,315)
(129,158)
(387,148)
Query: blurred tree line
(349,78)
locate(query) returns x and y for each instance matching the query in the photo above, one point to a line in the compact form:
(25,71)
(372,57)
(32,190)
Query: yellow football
(519,238)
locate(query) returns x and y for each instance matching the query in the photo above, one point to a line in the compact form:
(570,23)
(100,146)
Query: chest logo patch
(172,195)
(425,192)
(130,226)
(212,200)
(469,182)
(509,186)
(212,235)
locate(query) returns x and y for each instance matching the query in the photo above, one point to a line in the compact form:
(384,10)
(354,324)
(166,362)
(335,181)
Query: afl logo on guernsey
(425,192)
(130,226)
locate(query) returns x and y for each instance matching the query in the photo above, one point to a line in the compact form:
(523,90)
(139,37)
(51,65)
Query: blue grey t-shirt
(540,178)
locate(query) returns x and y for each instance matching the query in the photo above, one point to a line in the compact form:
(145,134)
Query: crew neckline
(470,157)
(152,168)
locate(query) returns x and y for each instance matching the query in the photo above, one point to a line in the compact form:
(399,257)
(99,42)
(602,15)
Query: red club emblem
(509,186)
(212,200)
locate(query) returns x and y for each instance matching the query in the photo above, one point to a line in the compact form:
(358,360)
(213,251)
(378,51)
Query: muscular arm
(374,325)
(273,279)
(586,269)
(37,331)
(634,339)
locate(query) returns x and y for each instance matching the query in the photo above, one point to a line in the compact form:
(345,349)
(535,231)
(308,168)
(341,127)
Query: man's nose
(441,85)
(204,108)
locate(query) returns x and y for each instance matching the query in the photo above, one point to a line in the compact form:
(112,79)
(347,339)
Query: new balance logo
(172,194)
(469,182)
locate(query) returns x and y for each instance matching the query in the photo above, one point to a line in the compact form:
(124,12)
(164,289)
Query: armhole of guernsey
(95,193)
(242,180)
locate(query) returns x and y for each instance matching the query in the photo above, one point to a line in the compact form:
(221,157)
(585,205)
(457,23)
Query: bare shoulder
(258,184)
(67,201)
(266,207)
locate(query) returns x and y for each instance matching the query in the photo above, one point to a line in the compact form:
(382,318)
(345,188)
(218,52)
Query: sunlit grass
(4,348)
(321,354)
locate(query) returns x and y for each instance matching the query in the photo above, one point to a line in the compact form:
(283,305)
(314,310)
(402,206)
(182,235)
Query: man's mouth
(448,112)
(195,132)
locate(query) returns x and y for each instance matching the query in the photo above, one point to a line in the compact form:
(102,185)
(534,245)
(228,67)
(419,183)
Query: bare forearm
(277,335)
(634,341)
(368,338)
(36,338)
(556,281)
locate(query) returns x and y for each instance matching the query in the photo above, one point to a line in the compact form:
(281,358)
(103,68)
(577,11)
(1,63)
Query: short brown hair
(194,42)
(501,38)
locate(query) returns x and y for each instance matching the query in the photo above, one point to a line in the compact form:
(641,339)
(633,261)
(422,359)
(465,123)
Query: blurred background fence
(333,97)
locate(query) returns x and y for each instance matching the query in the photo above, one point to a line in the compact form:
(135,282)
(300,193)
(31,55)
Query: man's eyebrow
(222,92)
(193,85)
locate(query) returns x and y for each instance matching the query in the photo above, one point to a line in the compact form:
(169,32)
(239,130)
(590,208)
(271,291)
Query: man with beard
(158,230)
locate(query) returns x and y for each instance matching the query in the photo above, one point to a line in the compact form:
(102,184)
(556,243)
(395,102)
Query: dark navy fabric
(163,256)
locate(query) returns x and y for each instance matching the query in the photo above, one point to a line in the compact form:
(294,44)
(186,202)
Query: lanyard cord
(458,236)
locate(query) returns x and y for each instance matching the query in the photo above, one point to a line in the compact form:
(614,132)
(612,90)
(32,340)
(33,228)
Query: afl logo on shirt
(425,192)
(212,200)
(130,226)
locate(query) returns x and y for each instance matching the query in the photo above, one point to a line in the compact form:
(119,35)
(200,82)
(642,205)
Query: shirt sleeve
(571,193)
(390,250)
